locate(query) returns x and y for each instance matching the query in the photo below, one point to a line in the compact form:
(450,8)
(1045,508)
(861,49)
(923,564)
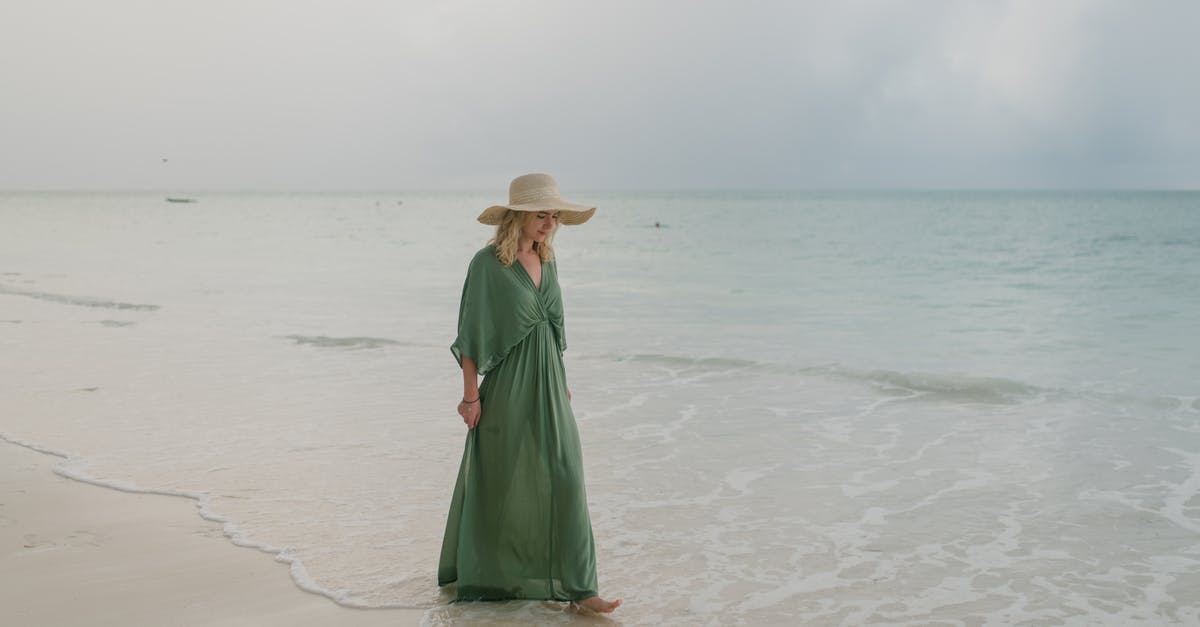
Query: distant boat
(169,199)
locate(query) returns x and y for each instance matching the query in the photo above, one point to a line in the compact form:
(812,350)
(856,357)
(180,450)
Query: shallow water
(831,408)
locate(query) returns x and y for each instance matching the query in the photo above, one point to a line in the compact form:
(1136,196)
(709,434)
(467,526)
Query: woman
(518,526)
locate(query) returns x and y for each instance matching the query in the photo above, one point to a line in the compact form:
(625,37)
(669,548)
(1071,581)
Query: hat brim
(568,212)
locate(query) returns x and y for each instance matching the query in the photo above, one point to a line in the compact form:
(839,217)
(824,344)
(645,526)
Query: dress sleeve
(554,305)
(489,321)
(475,329)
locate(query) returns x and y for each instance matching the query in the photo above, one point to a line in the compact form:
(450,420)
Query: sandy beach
(73,554)
(994,421)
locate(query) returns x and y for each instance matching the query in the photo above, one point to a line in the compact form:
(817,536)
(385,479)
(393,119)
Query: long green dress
(518,526)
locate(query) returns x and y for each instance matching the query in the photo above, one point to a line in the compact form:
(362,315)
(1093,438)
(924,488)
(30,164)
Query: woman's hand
(470,413)
(470,410)
(568,395)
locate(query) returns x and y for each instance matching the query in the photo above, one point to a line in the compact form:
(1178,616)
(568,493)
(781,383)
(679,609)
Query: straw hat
(537,192)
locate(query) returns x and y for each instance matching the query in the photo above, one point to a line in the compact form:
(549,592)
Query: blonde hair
(509,231)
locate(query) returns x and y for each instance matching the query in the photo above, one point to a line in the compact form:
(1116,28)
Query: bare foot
(596,604)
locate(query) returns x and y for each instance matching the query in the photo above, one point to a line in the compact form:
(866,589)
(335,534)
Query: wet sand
(73,554)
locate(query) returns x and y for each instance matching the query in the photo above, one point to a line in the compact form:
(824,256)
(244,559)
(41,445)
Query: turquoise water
(1083,289)
(819,407)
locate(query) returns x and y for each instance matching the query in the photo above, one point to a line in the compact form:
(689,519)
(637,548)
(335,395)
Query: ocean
(818,408)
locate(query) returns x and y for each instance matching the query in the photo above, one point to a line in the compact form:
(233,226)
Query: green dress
(518,526)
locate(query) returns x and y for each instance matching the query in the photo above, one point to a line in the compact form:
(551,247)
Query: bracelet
(469,402)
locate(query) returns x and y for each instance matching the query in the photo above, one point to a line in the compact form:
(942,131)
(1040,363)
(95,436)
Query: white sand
(73,554)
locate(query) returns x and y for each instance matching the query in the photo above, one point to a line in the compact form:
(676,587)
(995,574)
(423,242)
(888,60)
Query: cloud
(616,94)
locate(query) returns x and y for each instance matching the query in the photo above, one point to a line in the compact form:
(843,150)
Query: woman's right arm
(470,411)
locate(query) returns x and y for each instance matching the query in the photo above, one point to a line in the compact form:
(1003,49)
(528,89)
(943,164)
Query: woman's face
(539,225)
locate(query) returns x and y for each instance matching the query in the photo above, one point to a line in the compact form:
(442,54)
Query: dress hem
(582,596)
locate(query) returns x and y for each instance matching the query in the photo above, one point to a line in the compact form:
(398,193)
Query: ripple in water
(323,341)
(80,301)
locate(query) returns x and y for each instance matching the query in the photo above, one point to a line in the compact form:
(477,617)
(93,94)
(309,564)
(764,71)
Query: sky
(390,95)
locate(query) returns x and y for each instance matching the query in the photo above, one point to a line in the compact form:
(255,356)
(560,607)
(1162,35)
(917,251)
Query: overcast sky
(249,94)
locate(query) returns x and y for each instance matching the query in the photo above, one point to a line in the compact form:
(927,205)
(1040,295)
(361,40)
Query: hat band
(532,195)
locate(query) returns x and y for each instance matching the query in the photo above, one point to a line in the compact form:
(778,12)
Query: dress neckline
(536,286)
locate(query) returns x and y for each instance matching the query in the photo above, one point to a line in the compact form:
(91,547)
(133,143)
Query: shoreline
(73,551)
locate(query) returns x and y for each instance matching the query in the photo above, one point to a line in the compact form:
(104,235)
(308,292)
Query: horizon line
(576,191)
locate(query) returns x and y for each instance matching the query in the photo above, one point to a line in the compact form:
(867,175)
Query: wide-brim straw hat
(537,192)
